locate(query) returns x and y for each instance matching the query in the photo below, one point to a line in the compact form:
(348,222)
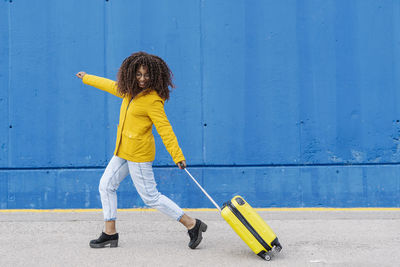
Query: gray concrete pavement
(309,238)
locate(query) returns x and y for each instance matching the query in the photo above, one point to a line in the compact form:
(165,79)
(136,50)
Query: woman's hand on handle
(182,164)
(80,74)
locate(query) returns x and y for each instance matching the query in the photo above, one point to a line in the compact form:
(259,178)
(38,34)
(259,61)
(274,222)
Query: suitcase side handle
(204,191)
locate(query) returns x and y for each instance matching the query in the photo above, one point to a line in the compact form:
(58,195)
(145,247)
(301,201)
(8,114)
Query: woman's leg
(109,227)
(187,221)
(116,171)
(143,179)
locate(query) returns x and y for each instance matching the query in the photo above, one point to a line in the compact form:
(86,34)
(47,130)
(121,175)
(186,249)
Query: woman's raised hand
(80,74)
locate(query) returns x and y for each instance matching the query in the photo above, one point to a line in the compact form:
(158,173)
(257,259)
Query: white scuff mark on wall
(87,196)
(358,155)
(397,152)
(376,160)
(334,158)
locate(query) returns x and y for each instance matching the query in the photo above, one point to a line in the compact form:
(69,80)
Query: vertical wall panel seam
(106,122)
(396,17)
(299,123)
(8,96)
(9,84)
(202,82)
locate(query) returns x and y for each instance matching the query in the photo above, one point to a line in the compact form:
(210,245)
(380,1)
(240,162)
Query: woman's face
(142,76)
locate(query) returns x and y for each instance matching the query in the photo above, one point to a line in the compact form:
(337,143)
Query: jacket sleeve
(159,118)
(102,84)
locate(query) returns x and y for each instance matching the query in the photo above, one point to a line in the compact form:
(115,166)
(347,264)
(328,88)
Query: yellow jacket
(135,140)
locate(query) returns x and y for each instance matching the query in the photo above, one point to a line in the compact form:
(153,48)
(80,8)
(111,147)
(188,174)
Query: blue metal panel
(316,81)
(31,189)
(173,35)
(55,120)
(287,83)
(47,189)
(378,50)
(318,120)
(4,72)
(224,81)
(346,60)
(3,190)
(175,184)
(270,110)
(78,188)
(335,186)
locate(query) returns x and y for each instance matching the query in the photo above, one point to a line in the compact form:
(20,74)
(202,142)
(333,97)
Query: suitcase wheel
(267,257)
(278,248)
(264,255)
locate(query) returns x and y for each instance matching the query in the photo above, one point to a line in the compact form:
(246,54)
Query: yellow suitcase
(245,221)
(251,228)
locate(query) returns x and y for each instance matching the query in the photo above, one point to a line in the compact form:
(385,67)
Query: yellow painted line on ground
(195,210)
(327,209)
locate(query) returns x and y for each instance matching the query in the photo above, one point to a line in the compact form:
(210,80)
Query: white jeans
(143,179)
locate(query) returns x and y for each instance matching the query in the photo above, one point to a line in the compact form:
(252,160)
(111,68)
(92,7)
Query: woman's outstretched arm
(99,82)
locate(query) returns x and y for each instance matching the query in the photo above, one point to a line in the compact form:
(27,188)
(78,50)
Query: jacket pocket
(131,143)
(131,135)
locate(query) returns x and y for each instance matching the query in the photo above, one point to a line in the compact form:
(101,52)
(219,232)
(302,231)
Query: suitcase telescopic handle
(204,191)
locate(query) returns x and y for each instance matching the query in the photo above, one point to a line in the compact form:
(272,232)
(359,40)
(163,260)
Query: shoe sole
(202,228)
(112,243)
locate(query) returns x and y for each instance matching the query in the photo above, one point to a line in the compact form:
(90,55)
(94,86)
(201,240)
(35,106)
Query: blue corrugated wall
(288,103)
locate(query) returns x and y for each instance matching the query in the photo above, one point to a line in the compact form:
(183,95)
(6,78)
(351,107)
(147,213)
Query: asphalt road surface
(149,238)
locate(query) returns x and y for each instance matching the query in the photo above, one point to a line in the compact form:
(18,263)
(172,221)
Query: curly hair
(160,75)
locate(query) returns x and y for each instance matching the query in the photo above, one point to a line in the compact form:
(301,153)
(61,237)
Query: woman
(143,83)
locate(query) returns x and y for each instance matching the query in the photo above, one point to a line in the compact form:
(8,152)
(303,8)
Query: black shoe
(196,234)
(105,240)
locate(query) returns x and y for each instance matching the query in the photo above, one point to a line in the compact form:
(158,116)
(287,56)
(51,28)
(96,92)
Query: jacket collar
(151,92)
